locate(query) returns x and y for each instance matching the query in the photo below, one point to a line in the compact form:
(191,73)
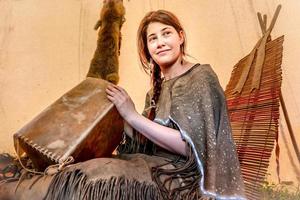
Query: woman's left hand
(120,98)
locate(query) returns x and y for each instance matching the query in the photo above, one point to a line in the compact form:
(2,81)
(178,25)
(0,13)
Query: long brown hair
(149,66)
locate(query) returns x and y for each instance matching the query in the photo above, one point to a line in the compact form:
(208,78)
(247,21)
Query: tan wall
(46,47)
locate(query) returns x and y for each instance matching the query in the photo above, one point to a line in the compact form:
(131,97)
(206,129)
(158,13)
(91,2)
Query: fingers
(116,89)
(116,94)
(111,98)
(113,95)
(111,91)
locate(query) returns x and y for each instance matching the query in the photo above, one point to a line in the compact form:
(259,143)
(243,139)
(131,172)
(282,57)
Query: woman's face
(163,43)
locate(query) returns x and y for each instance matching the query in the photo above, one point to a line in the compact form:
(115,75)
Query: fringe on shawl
(137,144)
(76,185)
(185,172)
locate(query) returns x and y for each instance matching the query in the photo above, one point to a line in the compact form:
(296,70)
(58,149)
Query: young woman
(179,148)
(185,114)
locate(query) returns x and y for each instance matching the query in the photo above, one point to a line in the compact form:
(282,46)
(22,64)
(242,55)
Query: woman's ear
(181,36)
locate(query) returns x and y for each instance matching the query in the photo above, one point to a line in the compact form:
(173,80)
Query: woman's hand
(120,98)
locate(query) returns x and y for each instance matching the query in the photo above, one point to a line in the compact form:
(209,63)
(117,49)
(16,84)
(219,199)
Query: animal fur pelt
(105,64)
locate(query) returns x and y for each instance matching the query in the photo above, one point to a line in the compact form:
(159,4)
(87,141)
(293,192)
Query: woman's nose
(160,42)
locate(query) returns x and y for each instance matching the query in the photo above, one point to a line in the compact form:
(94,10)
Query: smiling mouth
(162,51)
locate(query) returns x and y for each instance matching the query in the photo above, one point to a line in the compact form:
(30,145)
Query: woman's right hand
(120,98)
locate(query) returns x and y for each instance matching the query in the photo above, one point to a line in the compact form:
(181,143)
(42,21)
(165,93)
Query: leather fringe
(76,186)
(137,144)
(185,172)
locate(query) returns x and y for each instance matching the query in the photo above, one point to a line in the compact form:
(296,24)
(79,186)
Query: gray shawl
(195,104)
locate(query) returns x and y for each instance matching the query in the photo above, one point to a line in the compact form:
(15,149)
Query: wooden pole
(289,126)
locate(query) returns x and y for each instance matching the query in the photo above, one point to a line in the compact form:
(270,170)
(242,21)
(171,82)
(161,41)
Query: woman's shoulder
(199,72)
(203,69)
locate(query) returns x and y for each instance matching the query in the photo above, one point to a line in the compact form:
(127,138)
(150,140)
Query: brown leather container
(83,124)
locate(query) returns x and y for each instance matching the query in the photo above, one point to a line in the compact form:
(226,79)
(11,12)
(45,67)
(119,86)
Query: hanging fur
(105,64)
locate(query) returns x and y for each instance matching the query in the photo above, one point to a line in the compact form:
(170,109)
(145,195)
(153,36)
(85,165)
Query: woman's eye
(167,33)
(151,39)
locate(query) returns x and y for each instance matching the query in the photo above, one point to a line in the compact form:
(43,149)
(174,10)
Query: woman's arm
(165,137)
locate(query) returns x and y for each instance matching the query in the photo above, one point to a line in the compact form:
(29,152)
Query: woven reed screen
(254,115)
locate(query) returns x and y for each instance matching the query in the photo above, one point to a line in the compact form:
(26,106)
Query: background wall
(46,48)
